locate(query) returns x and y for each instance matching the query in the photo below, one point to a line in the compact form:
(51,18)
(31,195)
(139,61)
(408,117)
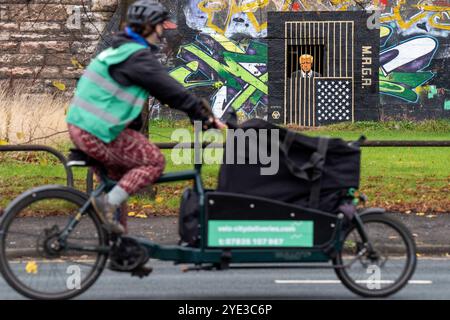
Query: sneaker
(106,211)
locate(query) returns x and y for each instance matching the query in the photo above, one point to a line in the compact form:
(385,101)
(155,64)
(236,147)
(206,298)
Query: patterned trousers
(130,159)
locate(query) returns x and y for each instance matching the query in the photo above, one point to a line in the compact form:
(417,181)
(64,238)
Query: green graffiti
(250,93)
(432,91)
(182,74)
(403,85)
(231,70)
(237,72)
(447,105)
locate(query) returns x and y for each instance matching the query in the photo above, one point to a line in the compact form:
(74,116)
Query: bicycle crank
(127,255)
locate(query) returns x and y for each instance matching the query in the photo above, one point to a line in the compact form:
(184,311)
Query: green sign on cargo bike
(260,233)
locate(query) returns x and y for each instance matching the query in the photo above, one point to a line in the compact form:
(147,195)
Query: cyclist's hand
(219,124)
(213,123)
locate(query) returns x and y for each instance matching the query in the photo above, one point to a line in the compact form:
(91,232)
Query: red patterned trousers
(130,158)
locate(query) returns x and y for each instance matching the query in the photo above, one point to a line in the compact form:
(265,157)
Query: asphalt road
(431,281)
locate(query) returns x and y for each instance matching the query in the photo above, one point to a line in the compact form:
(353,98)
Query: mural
(403,66)
(233,17)
(237,73)
(220,53)
(330,70)
(336,5)
(418,16)
(414,50)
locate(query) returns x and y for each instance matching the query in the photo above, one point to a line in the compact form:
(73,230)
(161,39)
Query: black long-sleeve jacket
(144,69)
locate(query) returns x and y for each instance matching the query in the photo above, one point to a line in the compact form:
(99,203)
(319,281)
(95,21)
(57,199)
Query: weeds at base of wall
(26,118)
(431,126)
(32,119)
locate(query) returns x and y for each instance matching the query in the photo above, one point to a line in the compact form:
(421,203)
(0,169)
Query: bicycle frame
(204,255)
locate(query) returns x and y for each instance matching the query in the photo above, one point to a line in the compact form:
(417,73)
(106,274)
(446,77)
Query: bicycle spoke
(38,263)
(382,264)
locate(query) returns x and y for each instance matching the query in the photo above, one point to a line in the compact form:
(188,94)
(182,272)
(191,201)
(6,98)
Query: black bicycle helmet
(147,12)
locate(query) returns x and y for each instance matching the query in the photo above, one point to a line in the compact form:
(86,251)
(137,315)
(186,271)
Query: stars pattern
(333,100)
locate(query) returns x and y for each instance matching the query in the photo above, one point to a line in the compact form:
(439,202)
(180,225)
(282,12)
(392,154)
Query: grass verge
(409,180)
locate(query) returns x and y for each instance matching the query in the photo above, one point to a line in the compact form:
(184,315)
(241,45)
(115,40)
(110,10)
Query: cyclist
(106,109)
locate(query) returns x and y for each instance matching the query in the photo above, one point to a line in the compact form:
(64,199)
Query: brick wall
(44,44)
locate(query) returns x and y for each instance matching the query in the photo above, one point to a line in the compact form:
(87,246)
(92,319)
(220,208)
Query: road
(431,281)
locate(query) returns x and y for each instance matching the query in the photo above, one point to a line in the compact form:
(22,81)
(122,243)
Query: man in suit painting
(306,62)
(301,91)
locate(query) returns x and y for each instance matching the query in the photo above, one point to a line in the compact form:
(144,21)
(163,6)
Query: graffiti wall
(220,50)
(415,48)
(329,70)
(222,53)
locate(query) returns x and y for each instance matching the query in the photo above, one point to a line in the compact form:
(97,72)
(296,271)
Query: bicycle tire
(25,200)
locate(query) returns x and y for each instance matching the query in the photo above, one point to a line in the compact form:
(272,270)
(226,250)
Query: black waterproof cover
(327,167)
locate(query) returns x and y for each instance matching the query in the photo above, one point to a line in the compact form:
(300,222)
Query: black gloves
(203,114)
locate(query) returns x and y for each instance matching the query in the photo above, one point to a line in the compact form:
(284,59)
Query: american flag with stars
(333,100)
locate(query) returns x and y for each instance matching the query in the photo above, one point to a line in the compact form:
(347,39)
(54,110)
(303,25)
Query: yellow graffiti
(384,31)
(342,5)
(249,7)
(435,13)
(31,267)
(334,5)
(396,16)
(227,44)
(435,18)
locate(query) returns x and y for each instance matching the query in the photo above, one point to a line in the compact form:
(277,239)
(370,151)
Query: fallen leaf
(20,135)
(131,214)
(59,85)
(31,267)
(76,63)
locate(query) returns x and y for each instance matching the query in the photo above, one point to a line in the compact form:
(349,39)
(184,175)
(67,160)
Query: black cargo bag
(314,172)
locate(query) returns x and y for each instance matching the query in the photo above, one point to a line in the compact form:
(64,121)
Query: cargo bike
(53,245)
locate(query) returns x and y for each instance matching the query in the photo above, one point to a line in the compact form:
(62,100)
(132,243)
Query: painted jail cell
(319,75)
(328,66)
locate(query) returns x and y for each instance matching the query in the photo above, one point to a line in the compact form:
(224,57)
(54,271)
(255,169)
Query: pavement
(432,235)
(430,281)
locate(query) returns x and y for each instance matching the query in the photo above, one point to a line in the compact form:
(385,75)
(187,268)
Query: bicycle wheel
(33,262)
(383,270)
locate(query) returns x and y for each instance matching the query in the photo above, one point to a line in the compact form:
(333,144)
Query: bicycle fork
(367,245)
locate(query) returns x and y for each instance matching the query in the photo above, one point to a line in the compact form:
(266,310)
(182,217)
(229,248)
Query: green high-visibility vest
(102,106)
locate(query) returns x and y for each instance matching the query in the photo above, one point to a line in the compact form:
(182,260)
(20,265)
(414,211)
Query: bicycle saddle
(78,158)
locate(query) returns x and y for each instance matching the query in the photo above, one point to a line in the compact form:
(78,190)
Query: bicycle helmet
(147,12)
